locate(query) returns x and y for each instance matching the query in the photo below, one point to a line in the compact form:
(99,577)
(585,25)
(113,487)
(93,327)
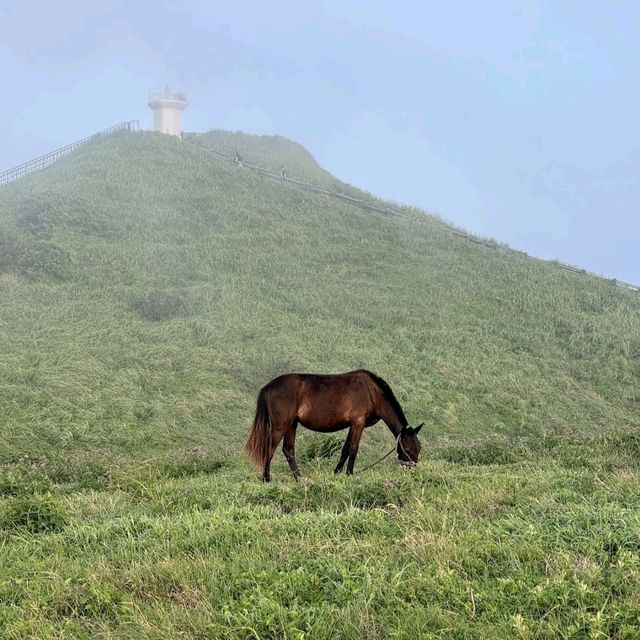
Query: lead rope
(386,455)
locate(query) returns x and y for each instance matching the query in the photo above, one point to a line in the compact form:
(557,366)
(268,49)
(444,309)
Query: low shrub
(34,215)
(159,305)
(10,249)
(35,514)
(32,258)
(321,448)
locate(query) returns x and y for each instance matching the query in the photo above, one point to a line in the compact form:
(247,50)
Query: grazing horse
(326,403)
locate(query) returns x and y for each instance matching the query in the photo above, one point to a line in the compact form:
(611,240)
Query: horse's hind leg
(345,453)
(289,449)
(276,435)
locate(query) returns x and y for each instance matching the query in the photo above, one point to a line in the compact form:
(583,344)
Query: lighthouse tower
(167,110)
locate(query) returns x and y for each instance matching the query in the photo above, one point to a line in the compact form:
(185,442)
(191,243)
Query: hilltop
(149,289)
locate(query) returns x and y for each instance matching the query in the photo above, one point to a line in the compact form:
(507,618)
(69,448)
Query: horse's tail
(258,444)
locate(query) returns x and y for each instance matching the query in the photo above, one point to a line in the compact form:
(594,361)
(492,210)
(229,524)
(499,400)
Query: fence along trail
(391,213)
(303,185)
(50,158)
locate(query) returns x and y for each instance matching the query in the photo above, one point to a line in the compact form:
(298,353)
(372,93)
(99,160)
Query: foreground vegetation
(546,545)
(148,291)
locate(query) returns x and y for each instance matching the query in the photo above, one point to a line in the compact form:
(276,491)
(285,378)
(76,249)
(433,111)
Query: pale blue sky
(517,120)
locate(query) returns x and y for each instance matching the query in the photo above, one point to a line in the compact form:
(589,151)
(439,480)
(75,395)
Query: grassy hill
(149,289)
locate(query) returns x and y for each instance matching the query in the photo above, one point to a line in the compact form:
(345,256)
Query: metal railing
(49,158)
(363,204)
(492,244)
(485,242)
(157,95)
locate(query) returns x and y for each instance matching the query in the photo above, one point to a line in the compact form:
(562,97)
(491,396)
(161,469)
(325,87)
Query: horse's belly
(329,417)
(325,427)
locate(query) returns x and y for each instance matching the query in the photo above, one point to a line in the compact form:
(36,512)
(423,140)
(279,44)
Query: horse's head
(408,447)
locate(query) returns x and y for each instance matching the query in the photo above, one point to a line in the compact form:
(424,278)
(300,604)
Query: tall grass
(148,290)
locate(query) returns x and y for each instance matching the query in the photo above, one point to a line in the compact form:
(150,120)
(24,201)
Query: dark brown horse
(326,403)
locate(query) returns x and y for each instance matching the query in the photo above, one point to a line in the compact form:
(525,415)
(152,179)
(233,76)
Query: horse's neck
(391,418)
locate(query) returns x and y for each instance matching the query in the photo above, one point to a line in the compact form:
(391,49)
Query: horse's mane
(389,396)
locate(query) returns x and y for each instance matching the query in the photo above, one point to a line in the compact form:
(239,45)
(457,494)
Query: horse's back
(315,384)
(320,380)
(323,402)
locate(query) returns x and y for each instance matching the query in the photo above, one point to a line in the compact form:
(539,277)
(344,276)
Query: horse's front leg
(345,453)
(289,450)
(356,433)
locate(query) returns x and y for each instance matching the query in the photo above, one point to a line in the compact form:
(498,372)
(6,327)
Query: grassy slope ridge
(148,290)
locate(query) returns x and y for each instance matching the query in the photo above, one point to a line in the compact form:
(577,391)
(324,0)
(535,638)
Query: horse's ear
(418,428)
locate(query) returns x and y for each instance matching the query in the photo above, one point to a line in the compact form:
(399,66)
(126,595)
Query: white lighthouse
(167,110)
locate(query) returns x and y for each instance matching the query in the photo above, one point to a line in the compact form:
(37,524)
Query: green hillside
(149,289)
(270,279)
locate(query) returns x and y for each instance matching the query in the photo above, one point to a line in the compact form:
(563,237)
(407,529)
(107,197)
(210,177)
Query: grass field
(148,290)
